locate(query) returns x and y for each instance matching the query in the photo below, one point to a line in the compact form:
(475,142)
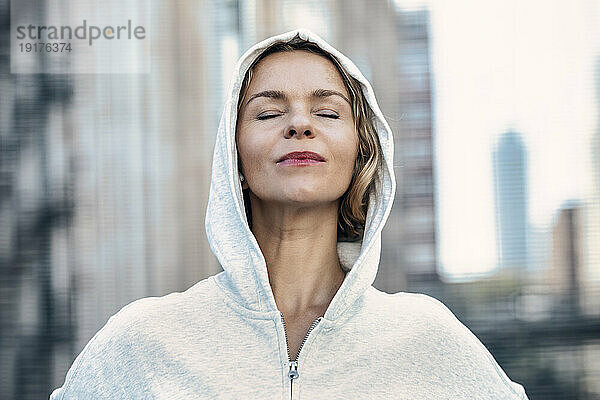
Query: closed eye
(333,116)
(268,116)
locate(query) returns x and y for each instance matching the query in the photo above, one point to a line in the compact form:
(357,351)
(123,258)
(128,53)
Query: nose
(299,125)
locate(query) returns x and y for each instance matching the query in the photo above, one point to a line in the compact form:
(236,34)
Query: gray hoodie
(224,337)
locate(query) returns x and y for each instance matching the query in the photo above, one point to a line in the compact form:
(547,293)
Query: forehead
(297,69)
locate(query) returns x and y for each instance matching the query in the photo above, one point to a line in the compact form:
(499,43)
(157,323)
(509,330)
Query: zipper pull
(293,374)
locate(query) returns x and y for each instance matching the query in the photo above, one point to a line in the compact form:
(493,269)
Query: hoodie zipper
(293,365)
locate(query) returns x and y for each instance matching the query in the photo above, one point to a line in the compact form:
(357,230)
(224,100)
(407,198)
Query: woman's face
(296,101)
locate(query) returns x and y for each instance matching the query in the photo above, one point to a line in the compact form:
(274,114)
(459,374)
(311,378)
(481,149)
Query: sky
(498,65)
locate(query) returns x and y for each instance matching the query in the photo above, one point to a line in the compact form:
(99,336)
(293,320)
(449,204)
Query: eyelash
(264,117)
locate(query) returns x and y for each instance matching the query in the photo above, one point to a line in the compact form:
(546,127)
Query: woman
(302,185)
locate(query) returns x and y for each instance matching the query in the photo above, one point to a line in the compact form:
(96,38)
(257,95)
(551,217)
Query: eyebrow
(279,95)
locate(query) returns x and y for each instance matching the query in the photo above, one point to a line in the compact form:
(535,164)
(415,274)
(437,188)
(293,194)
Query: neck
(300,249)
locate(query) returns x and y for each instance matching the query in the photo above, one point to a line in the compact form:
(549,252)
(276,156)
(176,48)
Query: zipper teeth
(315,322)
(286,338)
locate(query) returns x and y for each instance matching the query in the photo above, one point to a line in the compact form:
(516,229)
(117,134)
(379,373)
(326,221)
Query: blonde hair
(354,202)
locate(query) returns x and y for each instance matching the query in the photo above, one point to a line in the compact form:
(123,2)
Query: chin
(309,196)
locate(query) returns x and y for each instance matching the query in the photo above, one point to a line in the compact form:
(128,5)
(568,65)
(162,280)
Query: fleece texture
(224,337)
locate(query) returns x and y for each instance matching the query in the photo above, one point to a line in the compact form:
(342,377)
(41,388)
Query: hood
(228,233)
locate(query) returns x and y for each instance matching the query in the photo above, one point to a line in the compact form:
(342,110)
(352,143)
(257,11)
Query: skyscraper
(412,230)
(510,187)
(590,290)
(564,273)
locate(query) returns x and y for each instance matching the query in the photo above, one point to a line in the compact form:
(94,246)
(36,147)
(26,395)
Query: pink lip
(298,161)
(301,158)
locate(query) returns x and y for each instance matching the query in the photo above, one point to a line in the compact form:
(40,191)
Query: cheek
(345,154)
(349,161)
(253,151)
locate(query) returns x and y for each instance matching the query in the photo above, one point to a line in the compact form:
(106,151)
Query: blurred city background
(104,177)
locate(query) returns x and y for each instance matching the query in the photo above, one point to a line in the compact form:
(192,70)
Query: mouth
(301,158)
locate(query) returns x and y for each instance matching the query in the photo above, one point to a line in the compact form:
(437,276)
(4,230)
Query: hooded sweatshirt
(224,337)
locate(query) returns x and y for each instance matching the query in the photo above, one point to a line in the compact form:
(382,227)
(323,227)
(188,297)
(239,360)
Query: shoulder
(102,360)
(160,311)
(172,309)
(104,366)
(420,309)
(402,306)
(430,331)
